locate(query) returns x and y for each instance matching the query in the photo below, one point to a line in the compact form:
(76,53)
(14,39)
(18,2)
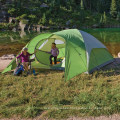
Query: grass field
(47,95)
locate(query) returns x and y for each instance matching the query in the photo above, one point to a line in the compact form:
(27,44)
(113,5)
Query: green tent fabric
(79,52)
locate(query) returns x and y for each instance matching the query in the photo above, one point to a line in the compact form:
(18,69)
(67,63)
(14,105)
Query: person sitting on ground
(24,57)
(54,53)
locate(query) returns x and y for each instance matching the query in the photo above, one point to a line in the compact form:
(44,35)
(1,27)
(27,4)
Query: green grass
(47,95)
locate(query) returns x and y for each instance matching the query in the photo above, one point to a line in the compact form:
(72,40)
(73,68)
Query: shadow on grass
(112,69)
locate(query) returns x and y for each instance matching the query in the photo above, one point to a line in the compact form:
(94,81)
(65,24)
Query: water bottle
(34,72)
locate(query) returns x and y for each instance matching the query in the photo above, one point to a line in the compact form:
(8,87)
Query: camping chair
(30,61)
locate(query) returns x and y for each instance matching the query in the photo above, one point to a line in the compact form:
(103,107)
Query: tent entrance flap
(43,49)
(42,57)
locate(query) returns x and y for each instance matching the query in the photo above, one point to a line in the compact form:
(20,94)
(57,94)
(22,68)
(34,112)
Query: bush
(12,11)
(51,22)
(7,26)
(24,16)
(24,21)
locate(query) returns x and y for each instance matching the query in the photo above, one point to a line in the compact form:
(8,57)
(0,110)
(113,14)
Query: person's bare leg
(25,66)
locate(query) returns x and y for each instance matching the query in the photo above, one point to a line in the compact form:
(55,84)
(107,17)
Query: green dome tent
(78,52)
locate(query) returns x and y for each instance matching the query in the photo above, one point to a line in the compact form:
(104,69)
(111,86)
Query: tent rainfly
(79,52)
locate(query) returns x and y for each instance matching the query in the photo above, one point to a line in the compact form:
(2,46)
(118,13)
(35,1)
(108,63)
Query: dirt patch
(10,49)
(112,117)
(4,64)
(5,60)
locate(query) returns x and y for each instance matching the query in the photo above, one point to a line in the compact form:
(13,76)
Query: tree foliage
(113,9)
(48,12)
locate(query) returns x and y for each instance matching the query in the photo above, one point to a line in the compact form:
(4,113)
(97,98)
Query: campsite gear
(30,61)
(19,69)
(81,52)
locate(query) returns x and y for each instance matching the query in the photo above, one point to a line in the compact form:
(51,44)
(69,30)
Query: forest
(67,13)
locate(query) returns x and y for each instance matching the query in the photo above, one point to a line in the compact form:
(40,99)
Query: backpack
(18,71)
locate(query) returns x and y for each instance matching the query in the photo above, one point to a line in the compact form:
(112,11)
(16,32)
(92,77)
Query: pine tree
(104,18)
(82,12)
(118,16)
(44,19)
(81,5)
(101,20)
(113,9)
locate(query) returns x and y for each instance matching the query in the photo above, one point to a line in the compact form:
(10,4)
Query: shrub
(7,26)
